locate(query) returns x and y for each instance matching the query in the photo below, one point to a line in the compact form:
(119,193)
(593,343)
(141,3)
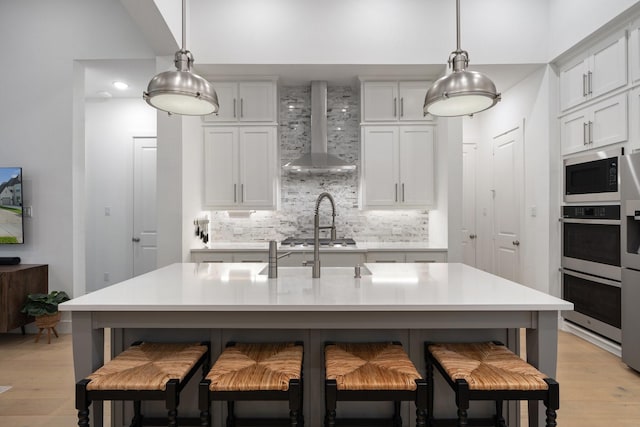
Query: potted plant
(44,307)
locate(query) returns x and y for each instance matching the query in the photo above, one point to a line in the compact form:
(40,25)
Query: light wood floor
(596,388)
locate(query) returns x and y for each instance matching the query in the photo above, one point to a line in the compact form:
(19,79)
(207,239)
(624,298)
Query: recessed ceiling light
(120,85)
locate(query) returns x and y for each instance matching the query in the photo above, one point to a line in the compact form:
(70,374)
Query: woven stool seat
(148,366)
(144,371)
(254,372)
(487,366)
(488,371)
(370,366)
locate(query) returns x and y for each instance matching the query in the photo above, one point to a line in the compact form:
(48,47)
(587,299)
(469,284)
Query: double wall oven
(591,238)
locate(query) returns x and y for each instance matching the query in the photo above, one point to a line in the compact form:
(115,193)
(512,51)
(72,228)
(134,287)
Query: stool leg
(429,385)
(231,413)
(40,330)
(397,419)
(294,402)
(48,335)
(421,403)
(136,421)
(55,332)
(462,401)
(330,397)
(204,403)
(172,401)
(552,402)
(500,421)
(82,403)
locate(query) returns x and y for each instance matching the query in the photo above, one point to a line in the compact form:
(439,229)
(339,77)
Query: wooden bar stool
(488,371)
(145,371)
(372,372)
(250,371)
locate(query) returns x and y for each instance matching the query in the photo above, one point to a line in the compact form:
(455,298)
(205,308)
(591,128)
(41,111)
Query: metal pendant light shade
(182,91)
(461,92)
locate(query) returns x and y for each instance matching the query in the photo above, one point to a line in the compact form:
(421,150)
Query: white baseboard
(595,339)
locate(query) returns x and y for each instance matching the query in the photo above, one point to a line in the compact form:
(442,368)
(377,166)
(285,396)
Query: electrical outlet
(106,277)
(107,211)
(28,212)
(534,211)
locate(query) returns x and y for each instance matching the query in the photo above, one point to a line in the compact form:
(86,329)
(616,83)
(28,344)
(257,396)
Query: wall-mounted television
(11,217)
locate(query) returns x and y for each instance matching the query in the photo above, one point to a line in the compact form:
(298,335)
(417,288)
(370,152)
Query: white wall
(365,31)
(110,128)
(570,21)
(37,115)
(528,100)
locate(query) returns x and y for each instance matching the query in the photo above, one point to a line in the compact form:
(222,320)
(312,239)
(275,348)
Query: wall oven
(593,177)
(591,267)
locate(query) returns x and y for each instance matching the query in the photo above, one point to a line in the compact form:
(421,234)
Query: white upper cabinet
(598,71)
(240,167)
(398,167)
(393,101)
(600,124)
(634,52)
(250,101)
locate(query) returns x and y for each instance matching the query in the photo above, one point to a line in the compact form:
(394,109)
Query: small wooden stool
(372,372)
(145,371)
(271,371)
(47,322)
(489,371)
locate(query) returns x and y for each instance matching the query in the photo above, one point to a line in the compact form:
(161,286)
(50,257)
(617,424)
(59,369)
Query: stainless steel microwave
(593,177)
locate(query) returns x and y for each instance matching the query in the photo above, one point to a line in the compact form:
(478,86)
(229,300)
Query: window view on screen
(11,229)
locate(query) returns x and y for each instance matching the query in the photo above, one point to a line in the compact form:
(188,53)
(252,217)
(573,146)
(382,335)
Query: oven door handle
(590,221)
(591,278)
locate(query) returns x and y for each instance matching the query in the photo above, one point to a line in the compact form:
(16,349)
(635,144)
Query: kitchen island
(410,303)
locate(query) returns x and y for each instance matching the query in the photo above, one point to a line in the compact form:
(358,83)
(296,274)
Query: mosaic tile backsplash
(298,192)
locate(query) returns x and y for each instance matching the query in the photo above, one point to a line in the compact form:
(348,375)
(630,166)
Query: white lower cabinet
(415,256)
(240,168)
(595,126)
(398,167)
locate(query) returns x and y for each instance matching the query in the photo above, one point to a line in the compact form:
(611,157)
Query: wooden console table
(16,282)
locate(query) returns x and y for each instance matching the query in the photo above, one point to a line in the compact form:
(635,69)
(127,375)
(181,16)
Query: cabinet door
(211,257)
(417,166)
(609,121)
(412,96)
(385,256)
(227,101)
(380,166)
(634,120)
(220,167)
(573,83)
(257,102)
(379,101)
(257,167)
(608,66)
(341,259)
(574,133)
(262,256)
(634,52)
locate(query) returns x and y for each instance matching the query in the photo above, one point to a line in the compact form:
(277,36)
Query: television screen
(11,227)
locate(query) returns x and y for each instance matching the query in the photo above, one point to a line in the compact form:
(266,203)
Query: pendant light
(182,91)
(461,92)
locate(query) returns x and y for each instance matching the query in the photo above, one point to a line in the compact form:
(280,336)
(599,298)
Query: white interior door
(144,240)
(507,191)
(469,237)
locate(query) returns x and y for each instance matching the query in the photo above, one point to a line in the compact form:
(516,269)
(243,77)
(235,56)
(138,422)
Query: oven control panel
(591,212)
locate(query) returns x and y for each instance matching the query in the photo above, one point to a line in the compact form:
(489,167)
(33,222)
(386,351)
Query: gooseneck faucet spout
(317,228)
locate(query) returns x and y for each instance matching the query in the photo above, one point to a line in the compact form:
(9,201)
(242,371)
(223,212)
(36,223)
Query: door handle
(234,108)
(590,132)
(395,107)
(584,85)
(590,82)
(472,236)
(396,192)
(241,107)
(403,192)
(235,193)
(402,107)
(516,243)
(135,239)
(585,133)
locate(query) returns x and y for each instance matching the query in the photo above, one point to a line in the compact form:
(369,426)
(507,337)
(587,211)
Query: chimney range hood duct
(319,161)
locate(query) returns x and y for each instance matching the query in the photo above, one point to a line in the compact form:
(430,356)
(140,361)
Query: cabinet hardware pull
(135,239)
(516,243)
(590,78)
(402,107)
(234,108)
(584,85)
(235,193)
(472,236)
(585,133)
(395,107)
(241,107)
(403,192)
(590,132)
(241,193)
(396,192)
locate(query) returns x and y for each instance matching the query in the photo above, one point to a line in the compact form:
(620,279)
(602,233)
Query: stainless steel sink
(326,271)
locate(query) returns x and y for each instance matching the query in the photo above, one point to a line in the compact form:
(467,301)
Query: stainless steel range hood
(318,161)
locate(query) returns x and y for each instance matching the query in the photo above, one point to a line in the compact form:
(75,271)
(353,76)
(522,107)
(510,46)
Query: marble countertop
(359,247)
(241,287)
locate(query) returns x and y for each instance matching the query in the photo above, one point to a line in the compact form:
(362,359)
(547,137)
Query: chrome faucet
(316,231)
(273,259)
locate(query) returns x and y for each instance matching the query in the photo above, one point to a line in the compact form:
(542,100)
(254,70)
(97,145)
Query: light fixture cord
(457,25)
(184,25)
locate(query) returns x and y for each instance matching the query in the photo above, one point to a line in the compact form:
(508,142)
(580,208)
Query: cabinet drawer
(385,257)
(211,257)
(426,257)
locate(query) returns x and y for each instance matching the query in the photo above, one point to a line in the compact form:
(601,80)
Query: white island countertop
(390,287)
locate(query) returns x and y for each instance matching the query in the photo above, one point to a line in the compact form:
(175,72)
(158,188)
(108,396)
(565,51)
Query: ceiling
(100,74)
